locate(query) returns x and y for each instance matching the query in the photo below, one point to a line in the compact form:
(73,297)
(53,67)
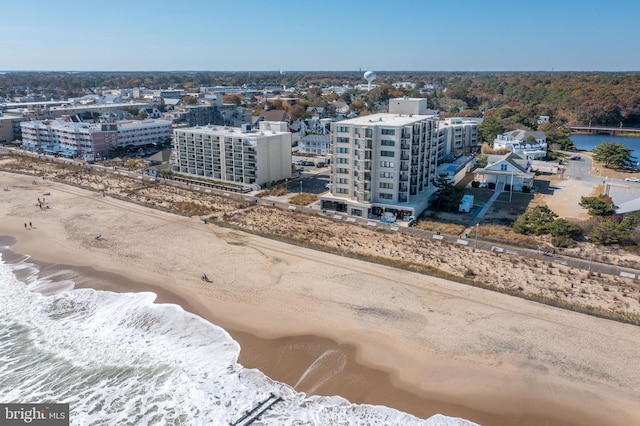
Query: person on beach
(30,227)
(25,226)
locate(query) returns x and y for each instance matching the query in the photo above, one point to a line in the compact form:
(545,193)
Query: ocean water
(122,359)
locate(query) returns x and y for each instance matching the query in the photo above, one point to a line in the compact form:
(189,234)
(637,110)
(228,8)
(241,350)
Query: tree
(232,99)
(602,205)
(447,196)
(489,129)
(189,100)
(613,155)
(607,232)
(538,221)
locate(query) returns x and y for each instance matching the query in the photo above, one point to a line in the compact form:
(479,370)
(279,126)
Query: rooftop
(383,119)
(230,131)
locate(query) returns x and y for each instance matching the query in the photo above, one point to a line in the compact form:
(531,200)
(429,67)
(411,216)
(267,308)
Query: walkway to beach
(483,211)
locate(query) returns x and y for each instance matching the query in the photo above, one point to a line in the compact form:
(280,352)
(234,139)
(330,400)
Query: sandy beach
(329,324)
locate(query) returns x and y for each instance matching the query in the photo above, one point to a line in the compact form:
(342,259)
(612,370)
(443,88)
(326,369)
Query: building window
(386,175)
(387,154)
(342,129)
(388,131)
(343,180)
(386,196)
(340,139)
(503,167)
(342,191)
(387,142)
(341,160)
(342,171)
(386,185)
(340,150)
(368,133)
(387,164)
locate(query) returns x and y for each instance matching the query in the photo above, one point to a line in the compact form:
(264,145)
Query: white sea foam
(120,358)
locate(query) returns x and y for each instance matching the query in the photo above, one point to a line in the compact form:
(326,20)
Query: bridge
(613,131)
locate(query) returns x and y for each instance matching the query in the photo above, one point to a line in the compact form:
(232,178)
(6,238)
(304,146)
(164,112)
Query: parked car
(632,179)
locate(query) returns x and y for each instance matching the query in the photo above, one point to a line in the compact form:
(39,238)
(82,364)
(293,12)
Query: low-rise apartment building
(9,127)
(459,135)
(90,141)
(233,154)
(385,162)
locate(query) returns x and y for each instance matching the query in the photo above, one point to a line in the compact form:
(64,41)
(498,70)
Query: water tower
(370,76)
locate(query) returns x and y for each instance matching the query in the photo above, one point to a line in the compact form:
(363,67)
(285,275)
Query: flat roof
(133,123)
(385,119)
(230,131)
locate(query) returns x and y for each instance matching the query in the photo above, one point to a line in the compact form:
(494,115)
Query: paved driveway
(564,194)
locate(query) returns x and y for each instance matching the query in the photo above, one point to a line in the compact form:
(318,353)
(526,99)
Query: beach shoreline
(266,294)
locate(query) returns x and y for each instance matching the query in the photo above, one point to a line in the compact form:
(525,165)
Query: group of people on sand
(205,278)
(43,204)
(30,225)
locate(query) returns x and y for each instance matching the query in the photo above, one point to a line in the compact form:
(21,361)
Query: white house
(526,143)
(508,169)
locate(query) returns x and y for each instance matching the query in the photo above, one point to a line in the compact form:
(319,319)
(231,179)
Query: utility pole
(477,225)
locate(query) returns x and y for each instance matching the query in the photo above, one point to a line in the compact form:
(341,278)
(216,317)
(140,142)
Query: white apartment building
(385,162)
(89,141)
(459,135)
(233,154)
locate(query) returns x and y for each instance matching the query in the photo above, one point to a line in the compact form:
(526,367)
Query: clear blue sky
(383,35)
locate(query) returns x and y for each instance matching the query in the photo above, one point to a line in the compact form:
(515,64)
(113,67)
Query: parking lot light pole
(301,186)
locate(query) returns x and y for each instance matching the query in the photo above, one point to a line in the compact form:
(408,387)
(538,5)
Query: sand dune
(398,338)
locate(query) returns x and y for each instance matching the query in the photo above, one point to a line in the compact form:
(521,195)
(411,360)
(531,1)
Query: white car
(632,179)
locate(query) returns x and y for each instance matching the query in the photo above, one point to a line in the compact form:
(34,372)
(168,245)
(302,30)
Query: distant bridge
(613,131)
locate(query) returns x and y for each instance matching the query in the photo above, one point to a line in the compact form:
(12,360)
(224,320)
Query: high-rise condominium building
(385,162)
(233,154)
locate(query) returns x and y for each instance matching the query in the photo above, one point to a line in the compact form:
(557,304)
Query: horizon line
(317,71)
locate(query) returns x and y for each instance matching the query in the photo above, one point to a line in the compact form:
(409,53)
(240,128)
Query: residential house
(275,115)
(316,111)
(526,143)
(502,170)
(341,107)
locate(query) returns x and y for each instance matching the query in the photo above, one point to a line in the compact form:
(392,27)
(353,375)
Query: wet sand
(332,325)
